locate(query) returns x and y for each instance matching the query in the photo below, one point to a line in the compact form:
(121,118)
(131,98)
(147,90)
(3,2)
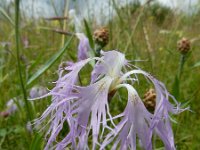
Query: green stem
(29,116)
(97,50)
(181,64)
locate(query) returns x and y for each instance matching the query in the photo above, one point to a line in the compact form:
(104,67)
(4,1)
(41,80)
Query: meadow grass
(147,35)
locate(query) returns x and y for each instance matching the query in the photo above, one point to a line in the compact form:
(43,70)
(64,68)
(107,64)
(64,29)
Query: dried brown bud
(4,114)
(183,45)
(101,36)
(150,100)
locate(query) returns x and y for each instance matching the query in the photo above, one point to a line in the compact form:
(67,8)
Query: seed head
(4,114)
(150,99)
(183,45)
(101,36)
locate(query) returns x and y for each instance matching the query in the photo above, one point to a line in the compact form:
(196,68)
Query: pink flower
(86,110)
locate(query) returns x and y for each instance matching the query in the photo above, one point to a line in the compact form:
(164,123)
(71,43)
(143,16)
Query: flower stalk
(28,110)
(183,46)
(181,65)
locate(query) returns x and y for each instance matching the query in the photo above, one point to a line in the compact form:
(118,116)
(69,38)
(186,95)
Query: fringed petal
(136,121)
(112,64)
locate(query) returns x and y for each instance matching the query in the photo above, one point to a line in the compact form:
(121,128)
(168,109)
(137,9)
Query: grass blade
(196,64)
(17,41)
(175,87)
(7,16)
(89,34)
(37,142)
(49,63)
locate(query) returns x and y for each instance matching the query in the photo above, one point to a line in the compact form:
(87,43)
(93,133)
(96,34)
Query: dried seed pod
(150,100)
(183,45)
(101,36)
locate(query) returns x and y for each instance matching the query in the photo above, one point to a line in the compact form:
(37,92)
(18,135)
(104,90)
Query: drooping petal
(93,101)
(88,112)
(136,121)
(62,95)
(164,131)
(160,120)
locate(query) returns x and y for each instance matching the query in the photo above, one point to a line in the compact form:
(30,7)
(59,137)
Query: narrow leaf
(175,88)
(7,16)
(37,142)
(197,64)
(49,63)
(89,34)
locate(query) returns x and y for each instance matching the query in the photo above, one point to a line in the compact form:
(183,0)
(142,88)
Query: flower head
(101,36)
(184,45)
(86,109)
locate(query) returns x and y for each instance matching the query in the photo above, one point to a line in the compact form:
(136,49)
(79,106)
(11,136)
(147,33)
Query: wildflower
(183,45)
(86,109)
(11,107)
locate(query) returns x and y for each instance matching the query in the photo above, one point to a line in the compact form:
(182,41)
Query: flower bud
(183,45)
(150,100)
(101,36)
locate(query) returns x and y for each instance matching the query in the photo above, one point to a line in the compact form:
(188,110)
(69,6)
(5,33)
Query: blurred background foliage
(147,34)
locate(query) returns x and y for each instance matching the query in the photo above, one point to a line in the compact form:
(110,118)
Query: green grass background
(161,58)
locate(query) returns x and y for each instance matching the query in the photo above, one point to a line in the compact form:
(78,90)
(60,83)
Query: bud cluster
(150,99)
(183,45)
(101,36)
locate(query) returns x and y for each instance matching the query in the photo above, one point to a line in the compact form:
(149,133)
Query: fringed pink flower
(86,109)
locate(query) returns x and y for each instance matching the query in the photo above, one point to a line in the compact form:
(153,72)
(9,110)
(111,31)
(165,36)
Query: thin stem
(65,22)
(97,50)
(149,48)
(181,64)
(29,116)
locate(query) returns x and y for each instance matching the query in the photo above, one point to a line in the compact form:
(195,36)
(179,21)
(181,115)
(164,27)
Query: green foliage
(160,13)
(48,63)
(37,142)
(197,64)
(89,33)
(41,60)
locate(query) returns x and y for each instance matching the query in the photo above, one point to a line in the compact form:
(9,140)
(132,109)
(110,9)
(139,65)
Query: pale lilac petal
(112,64)
(136,121)
(83,47)
(62,96)
(160,120)
(37,91)
(86,110)
(93,100)
(164,131)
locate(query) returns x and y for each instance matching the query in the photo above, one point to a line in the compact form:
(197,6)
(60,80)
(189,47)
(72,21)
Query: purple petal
(136,121)
(83,47)
(112,64)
